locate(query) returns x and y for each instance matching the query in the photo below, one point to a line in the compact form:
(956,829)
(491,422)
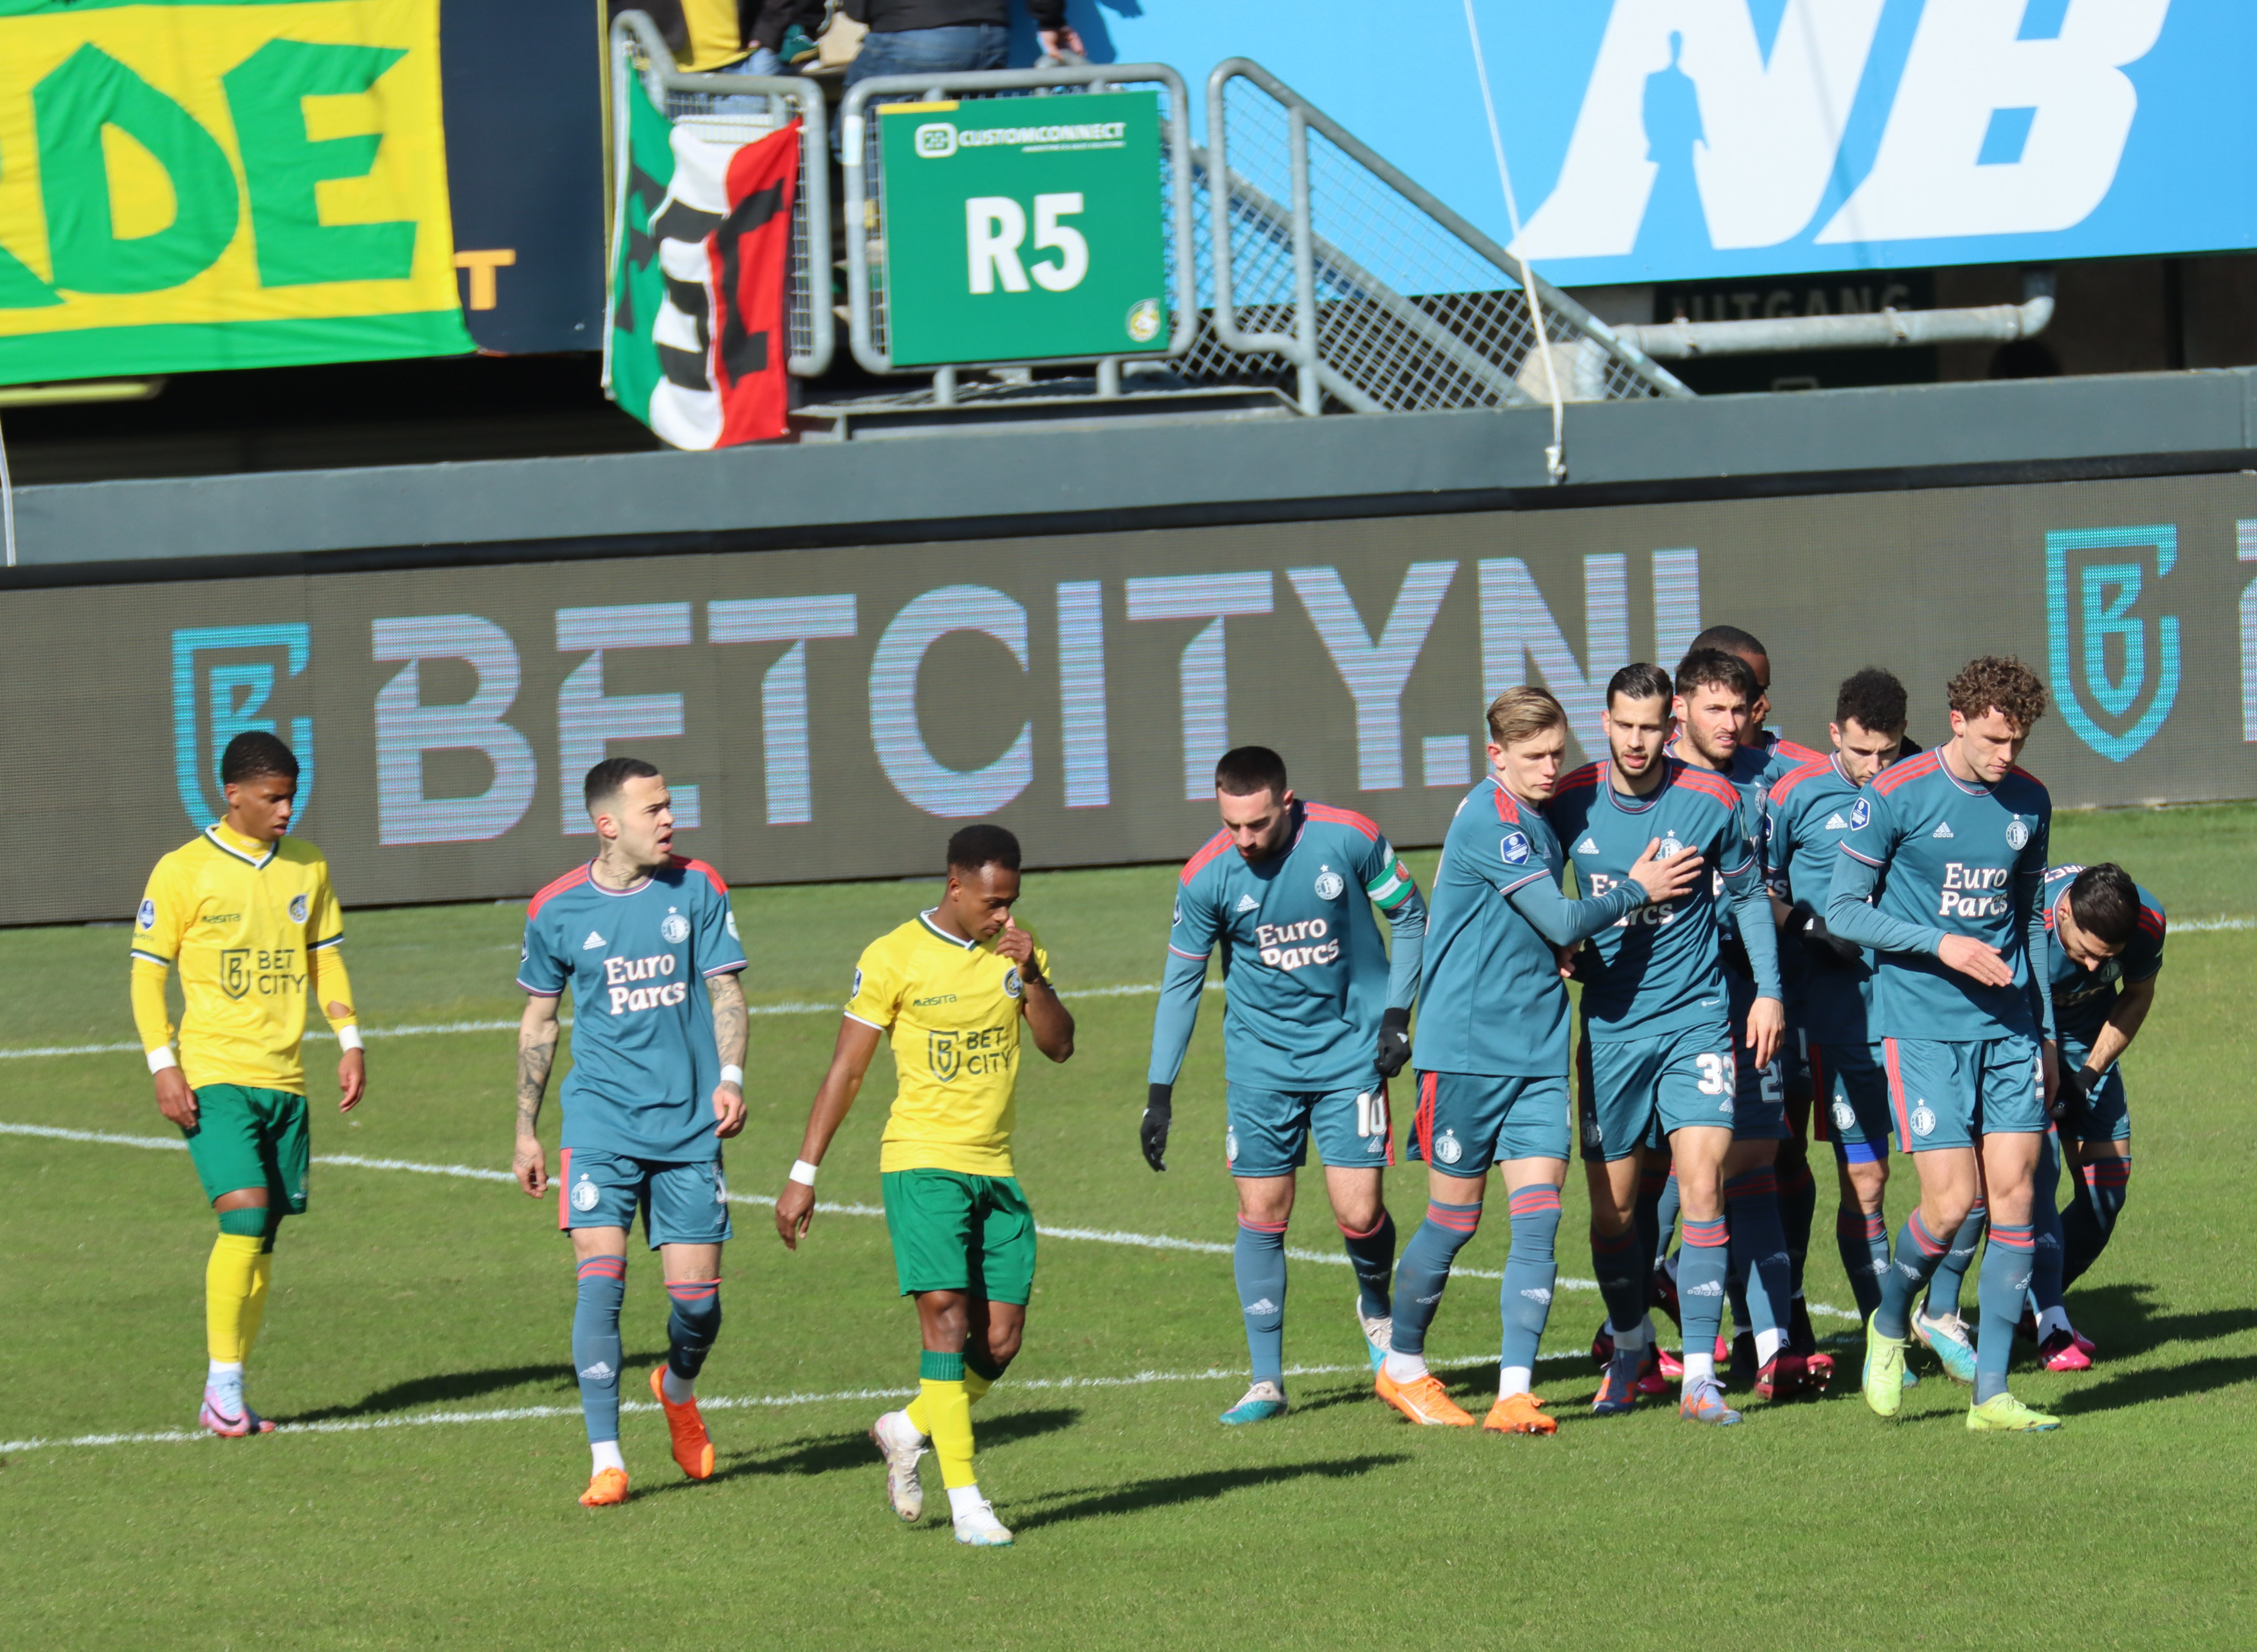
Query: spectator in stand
(918,37)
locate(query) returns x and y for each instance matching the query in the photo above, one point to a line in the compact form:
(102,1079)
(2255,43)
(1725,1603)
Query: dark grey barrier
(832,714)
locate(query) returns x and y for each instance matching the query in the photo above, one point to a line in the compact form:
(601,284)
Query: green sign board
(1019,228)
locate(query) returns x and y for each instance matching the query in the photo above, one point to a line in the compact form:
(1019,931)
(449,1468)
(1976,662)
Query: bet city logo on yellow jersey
(264,969)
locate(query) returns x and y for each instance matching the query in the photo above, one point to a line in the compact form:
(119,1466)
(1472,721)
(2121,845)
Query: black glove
(1152,1129)
(1822,945)
(2072,1093)
(1394,1043)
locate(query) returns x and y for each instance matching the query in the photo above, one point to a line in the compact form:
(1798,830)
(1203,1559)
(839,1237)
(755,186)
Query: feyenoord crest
(1330,885)
(2017,833)
(297,908)
(1669,846)
(1230,1147)
(673,926)
(1923,1120)
(1447,1149)
(584,1195)
(1844,1118)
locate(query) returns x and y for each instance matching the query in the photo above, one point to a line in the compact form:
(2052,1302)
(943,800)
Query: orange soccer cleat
(693,1449)
(1518,1414)
(608,1486)
(1423,1402)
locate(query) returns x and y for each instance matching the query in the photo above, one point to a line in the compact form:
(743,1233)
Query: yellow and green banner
(186,186)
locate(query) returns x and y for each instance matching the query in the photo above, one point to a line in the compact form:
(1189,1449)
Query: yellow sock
(230,1279)
(975,1390)
(254,1306)
(948,1412)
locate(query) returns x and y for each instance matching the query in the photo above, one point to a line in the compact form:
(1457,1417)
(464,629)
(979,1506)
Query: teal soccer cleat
(1258,1404)
(1945,1336)
(1378,1335)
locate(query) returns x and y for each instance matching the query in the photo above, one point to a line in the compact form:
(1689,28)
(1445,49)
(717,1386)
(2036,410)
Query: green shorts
(249,1138)
(953,1232)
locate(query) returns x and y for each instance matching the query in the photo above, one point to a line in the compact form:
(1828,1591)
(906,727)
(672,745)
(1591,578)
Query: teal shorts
(683,1203)
(1945,1094)
(1758,1093)
(1269,1130)
(1636,1093)
(246,1137)
(1849,1100)
(953,1232)
(1468,1121)
(2109,1118)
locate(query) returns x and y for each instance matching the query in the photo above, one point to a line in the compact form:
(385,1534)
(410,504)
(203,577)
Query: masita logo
(2115,666)
(298,907)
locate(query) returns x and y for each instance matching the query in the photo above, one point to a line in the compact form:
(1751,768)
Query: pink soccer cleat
(2061,1352)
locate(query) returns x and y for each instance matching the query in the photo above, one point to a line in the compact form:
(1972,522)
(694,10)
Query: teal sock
(691,1325)
(1372,1255)
(1758,1254)
(2004,1282)
(2046,1230)
(1918,1254)
(2091,1220)
(1943,1286)
(1257,1262)
(1620,1261)
(1425,1270)
(1863,1242)
(596,1344)
(1798,1209)
(1530,1272)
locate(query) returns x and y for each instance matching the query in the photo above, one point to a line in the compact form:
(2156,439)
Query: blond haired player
(248,915)
(951,985)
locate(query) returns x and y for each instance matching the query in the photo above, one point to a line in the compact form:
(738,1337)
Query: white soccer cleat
(1378,1334)
(979,1527)
(900,1444)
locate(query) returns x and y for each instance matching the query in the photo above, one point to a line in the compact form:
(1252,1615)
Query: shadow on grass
(1171,1489)
(2122,1316)
(442,1387)
(834,1453)
(2165,1382)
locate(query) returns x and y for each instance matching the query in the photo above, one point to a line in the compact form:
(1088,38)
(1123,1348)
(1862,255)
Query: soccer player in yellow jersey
(248,915)
(951,985)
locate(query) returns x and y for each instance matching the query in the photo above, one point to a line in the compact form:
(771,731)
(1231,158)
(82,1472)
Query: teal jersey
(1658,970)
(1805,820)
(1306,974)
(644,1061)
(1936,856)
(1751,772)
(1490,999)
(2082,999)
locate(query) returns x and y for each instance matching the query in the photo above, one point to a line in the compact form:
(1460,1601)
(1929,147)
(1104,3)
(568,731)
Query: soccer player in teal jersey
(1712,708)
(1949,848)
(1491,1053)
(1656,1049)
(2104,951)
(1829,990)
(1318,1021)
(648,943)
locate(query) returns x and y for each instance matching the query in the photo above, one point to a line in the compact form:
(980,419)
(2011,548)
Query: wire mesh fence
(1410,314)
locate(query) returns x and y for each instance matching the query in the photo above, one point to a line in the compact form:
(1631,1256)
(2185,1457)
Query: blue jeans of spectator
(970,45)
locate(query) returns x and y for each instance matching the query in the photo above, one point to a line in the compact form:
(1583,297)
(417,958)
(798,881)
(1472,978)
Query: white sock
(964,1500)
(606,1453)
(2052,1320)
(1406,1367)
(1766,1344)
(1514,1380)
(900,1429)
(1700,1367)
(678,1389)
(224,1374)
(1633,1340)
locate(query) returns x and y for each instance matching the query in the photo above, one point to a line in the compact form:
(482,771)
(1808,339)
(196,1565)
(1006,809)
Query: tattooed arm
(731,1032)
(536,1054)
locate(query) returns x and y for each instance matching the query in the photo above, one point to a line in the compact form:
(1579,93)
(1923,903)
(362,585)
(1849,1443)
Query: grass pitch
(410,1308)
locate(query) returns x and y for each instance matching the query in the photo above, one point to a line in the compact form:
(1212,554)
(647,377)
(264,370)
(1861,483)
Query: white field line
(722,1402)
(1092,1235)
(1134,990)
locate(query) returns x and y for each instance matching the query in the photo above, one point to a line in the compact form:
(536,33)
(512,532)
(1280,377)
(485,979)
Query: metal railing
(1330,265)
(739,108)
(865,204)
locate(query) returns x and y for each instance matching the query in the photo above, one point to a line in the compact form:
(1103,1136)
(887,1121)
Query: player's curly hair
(983,845)
(2105,903)
(1705,668)
(1524,713)
(2000,682)
(254,754)
(1873,699)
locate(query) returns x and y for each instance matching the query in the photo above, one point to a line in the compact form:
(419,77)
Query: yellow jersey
(954,1010)
(716,36)
(255,930)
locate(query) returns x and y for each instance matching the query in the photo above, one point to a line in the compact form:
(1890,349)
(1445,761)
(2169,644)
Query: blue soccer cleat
(1945,1336)
(1618,1389)
(1259,1403)
(1703,1401)
(1378,1335)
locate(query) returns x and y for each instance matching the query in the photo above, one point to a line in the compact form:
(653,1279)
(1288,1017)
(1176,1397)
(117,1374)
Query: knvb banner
(836,714)
(1678,140)
(196,186)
